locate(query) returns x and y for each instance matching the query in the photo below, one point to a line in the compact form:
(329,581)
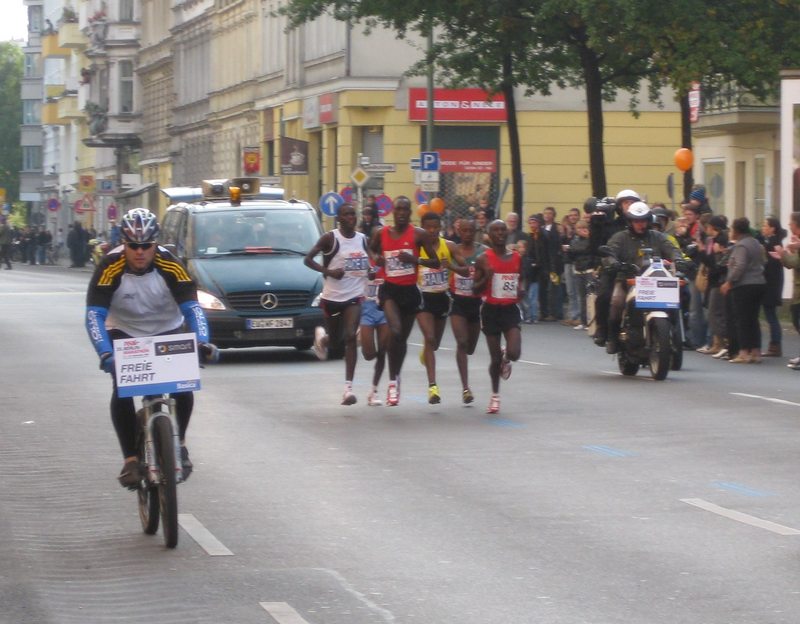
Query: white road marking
(738,516)
(44,294)
(386,615)
(202,536)
(416,344)
(763,398)
(282,613)
(534,363)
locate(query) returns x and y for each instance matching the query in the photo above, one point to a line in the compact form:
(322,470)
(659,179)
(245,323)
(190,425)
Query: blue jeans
(697,319)
(775,332)
(533,301)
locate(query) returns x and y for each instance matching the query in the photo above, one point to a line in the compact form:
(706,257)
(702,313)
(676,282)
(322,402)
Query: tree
(11,68)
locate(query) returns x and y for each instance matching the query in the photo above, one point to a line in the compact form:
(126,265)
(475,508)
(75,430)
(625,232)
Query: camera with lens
(602,208)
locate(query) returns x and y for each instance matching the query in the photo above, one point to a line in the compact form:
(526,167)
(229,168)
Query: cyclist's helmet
(139,226)
(639,211)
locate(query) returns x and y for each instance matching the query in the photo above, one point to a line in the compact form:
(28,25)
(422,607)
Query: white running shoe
(319,348)
(393,395)
(494,404)
(348,398)
(580,326)
(505,367)
(373,400)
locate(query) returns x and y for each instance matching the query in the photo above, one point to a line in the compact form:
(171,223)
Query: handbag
(701,281)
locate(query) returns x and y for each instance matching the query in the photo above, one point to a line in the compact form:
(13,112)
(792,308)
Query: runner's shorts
(371,314)
(437,304)
(468,307)
(335,308)
(496,319)
(407,298)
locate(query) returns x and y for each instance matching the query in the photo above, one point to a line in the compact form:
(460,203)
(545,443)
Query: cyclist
(141,289)
(346,265)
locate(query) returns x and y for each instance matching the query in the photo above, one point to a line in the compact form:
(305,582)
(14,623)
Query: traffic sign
(384,204)
(359,176)
(430,187)
(347,194)
(414,163)
(429,161)
(420,197)
(53,204)
(330,203)
(429,176)
(380,168)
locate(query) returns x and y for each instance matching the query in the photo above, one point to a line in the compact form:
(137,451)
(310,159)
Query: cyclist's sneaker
(373,400)
(392,395)
(494,404)
(505,367)
(467,397)
(319,348)
(186,463)
(348,398)
(433,395)
(130,476)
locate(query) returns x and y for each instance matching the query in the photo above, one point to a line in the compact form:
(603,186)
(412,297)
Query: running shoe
(722,354)
(373,400)
(433,395)
(466,396)
(186,463)
(319,348)
(580,326)
(505,367)
(794,363)
(348,398)
(392,395)
(494,404)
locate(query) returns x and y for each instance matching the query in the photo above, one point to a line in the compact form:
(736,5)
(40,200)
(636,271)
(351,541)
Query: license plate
(270,323)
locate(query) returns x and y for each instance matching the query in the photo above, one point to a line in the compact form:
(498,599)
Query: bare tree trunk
(686,141)
(594,110)
(513,134)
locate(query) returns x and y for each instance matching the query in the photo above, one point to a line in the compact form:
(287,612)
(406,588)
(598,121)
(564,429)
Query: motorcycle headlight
(208,301)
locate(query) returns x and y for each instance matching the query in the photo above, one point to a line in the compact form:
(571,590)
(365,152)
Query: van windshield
(234,231)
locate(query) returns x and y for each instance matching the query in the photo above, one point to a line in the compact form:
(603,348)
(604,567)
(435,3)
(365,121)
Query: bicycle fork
(154,408)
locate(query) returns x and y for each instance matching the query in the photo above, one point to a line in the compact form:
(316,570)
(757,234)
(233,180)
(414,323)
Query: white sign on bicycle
(657,292)
(156,364)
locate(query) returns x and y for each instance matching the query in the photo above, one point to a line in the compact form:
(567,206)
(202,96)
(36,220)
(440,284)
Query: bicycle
(159,455)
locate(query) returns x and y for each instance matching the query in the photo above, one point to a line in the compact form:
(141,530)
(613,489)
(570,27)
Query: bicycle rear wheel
(167,488)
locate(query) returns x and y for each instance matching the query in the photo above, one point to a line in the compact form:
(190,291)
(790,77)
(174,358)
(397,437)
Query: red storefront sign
(328,108)
(472,160)
(456,105)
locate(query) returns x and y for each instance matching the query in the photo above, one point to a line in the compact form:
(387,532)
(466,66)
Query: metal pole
(429,127)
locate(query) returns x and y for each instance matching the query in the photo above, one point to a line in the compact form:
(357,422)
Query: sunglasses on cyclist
(136,246)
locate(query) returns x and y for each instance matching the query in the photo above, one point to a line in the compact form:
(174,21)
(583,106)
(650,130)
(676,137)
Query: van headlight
(208,301)
(315,303)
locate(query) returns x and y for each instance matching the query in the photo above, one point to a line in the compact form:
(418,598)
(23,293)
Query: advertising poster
(156,364)
(294,156)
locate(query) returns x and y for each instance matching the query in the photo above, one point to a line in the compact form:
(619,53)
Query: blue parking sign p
(429,161)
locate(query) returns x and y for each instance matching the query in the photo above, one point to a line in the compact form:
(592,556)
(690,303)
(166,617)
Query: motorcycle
(651,329)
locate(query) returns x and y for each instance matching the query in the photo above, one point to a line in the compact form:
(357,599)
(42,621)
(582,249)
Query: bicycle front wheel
(167,488)
(147,492)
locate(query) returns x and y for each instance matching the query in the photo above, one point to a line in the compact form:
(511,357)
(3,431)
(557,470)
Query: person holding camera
(607,216)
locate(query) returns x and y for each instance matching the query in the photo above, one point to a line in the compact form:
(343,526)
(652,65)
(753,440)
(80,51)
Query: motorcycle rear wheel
(627,366)
(660,348)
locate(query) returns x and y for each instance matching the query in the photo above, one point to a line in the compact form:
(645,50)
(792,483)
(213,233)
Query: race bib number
(395,267)
(356,265)
(462,286)
(433,280)
(371,291)
(505,286)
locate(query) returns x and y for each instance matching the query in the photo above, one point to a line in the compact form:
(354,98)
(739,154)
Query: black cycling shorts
(468,307)
(407,298)
(496,319)
(437,304)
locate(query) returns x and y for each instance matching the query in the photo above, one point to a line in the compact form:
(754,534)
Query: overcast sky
(14,22)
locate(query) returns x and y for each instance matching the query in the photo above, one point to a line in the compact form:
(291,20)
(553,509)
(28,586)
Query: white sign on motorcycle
(156,364)
(657,292)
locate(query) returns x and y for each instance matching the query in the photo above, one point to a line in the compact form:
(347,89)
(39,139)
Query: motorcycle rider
(603,225)
(628,247)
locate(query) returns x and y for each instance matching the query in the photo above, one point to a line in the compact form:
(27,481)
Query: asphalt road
(592,498)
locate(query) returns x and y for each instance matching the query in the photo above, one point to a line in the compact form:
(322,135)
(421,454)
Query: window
(33,65)
(31,158)
(35,14)
(126,86)
(31,112)
(125,10)
(714,179)
(760,188)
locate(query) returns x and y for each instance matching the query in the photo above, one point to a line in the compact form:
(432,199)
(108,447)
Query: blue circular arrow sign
(329,203)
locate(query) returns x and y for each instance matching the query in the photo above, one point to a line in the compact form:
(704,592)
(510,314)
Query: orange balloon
(437,205)
(684,159)
(422,209)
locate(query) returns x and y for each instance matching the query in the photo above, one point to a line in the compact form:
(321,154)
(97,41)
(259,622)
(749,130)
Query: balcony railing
(731,98)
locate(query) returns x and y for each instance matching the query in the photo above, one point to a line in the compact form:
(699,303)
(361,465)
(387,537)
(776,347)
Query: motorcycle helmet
(627,194)
(139,225)
(660,216)
(639,211)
